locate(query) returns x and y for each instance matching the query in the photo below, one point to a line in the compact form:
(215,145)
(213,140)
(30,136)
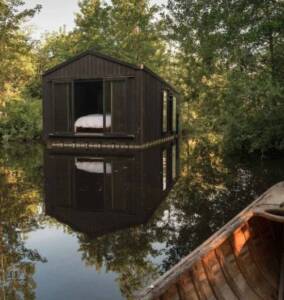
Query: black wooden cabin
(96,101)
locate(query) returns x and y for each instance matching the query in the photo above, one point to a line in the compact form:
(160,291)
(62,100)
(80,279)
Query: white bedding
(96,167)
(93,121)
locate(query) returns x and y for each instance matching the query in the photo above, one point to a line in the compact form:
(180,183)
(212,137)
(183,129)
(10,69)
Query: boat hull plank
(187,287)
(172,294)
(247,266)
(202,283)
(236,279)
(216,278)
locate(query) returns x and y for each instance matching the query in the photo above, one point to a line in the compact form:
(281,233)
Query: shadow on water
(124,211)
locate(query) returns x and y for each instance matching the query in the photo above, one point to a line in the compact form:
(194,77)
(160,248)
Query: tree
(126,29)
(231,69)
(15,57)
(55,48)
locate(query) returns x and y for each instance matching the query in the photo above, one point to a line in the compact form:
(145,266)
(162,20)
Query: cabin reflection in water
(97,195)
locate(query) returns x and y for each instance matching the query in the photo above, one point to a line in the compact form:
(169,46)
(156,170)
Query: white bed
(97,167)
(92,121)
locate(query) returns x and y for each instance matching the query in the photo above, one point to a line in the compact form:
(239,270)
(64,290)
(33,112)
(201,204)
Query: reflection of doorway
(92,184)
(103,184)
(169,161)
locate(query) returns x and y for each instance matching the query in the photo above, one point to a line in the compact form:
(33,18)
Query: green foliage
(18,119)
(21,120)
(232,57)
(253,115)
(55,48)
(15,47)
(126,29)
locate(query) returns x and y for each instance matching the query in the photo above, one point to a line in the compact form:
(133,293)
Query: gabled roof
(94,52)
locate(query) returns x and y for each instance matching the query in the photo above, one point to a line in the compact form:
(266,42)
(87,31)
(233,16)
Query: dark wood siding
(152,108)
(58,182)
(62,106)
(119,108)
(47,109)
(91,66)
(133,105)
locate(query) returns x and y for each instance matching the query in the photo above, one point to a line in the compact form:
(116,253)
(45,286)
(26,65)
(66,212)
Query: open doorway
(92,106)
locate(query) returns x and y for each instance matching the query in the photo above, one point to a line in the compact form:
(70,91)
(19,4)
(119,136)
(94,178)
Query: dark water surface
(101,227)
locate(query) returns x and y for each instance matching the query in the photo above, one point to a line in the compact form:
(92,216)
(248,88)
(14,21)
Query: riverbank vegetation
(225,57)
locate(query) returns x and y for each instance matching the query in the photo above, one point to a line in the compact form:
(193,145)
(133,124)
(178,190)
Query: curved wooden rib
(189,289)
(240,261)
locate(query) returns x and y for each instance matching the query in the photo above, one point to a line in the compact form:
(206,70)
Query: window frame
(165,97)
(164,170)
(174,113)
(113,80)
(174,162)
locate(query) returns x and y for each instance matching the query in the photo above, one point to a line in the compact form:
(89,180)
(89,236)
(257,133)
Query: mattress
(93,121)
(97,167)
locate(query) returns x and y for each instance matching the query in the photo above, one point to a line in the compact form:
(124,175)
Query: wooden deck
(90,141)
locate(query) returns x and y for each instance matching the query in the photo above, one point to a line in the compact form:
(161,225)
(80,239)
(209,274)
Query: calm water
(101,227)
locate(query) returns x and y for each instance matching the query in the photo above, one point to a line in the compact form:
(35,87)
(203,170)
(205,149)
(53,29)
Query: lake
(103,226)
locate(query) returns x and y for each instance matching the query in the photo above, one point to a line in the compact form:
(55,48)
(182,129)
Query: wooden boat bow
(244,271)
(271,204)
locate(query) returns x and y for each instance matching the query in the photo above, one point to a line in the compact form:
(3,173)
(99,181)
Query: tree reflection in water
(212,189)
(20,198)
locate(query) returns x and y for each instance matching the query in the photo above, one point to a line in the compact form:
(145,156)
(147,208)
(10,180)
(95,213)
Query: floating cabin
(97,101)
(100,194)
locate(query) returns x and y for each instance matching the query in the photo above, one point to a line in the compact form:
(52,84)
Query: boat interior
(243,260)
(247,265)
